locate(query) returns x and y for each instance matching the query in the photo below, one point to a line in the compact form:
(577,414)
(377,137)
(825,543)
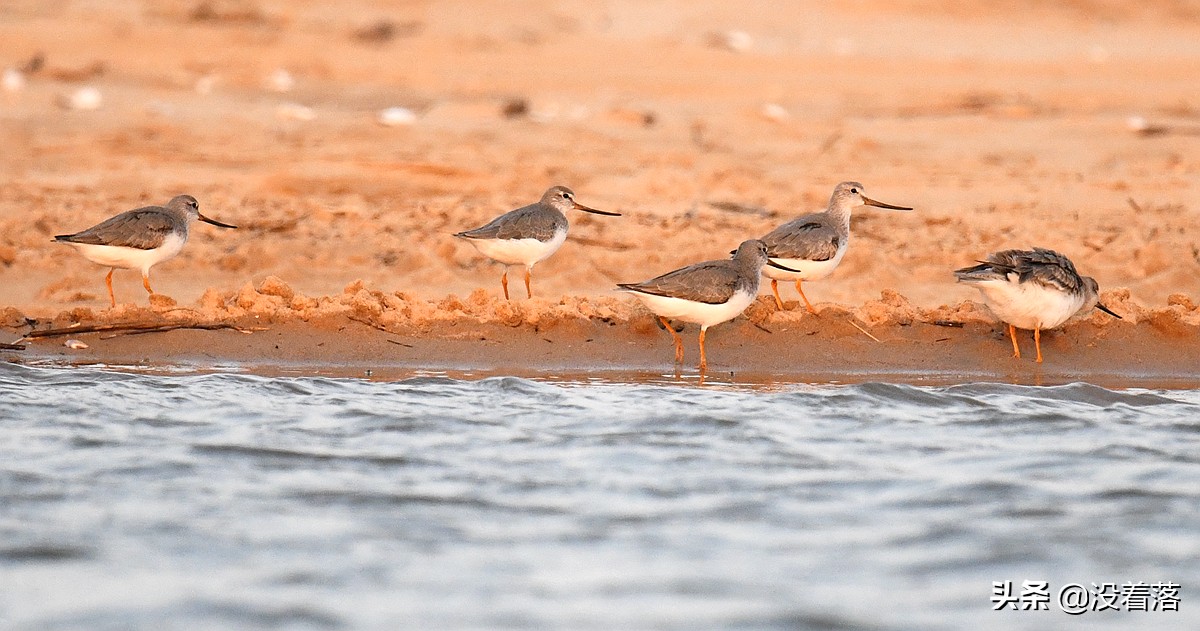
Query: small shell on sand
(775,112)
(280,81)
(735,41)
(295,112)
(397,117)
(1139,125)
(205,84)
(13,80)
(84,99)
(75,345)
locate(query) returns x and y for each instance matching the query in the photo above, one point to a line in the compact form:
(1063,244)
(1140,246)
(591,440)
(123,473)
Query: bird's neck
(182,221)
(841,217)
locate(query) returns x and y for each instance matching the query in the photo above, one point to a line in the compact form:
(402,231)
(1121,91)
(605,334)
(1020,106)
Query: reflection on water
(215,501)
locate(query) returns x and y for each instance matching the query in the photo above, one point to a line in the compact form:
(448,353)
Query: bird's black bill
(1108,311)
(213,221)
(784,268)
(870,202)
(596,212)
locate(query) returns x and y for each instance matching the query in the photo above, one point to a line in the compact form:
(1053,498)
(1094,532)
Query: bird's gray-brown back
(141,228)
(536,221)
(711,282)
(1039,265)
(812,237)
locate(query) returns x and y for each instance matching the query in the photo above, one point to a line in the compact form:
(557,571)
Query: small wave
(281,453)
(41,552)
(1136,493)
(1075,392)
(203,614)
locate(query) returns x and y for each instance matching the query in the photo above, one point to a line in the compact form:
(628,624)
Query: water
(223,501)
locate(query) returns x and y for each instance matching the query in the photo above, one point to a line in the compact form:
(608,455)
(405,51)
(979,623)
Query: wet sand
(365,332)
(704,124)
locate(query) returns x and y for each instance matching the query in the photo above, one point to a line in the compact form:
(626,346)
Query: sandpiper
(705,293)
(814,244)
(529,234)
(139,238)
(1032,289)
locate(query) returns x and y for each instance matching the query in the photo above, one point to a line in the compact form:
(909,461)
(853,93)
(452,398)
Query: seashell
(75,345)
(13,80)
(295,112)
(84,99)
(280,81)
(205,84)
(775,112)
(397,116)
(735,41)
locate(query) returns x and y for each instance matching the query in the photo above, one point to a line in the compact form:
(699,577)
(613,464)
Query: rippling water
(132,501)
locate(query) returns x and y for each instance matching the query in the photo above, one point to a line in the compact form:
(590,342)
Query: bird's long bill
(1108,311)
(870,202)
(213,221)
(585,209)
(782,267)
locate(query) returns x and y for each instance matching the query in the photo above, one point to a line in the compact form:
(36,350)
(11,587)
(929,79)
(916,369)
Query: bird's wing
(806,238)
(142,229)
(1042,266)
(528,222)
(982,272)
(712,282)
(1047,267)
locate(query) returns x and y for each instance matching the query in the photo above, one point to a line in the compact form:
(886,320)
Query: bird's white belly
(519,251)
(1028,305)
(809,270)
(131,258)
(700,313)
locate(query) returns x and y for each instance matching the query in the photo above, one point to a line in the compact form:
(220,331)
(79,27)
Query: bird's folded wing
(1050,268)
(522,223)
(803,239)
(712,282)
(143,229)
(1041,266)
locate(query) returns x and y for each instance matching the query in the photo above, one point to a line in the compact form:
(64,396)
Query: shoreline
(373,334)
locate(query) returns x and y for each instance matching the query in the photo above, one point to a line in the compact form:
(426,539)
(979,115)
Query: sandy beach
(1073,126)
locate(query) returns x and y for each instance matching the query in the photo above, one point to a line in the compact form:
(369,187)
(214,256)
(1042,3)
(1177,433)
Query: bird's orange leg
(146,284)
(528,291)
(1037,341)
(678,340)
(806,302)
(108,281)
(703,356)
(504,283)
(775,289)
(1012,332)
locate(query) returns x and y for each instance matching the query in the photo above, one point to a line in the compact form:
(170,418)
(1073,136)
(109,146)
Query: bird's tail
(978,273)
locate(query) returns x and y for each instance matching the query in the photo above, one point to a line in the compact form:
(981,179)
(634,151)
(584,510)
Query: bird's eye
(854,190)
(566,196)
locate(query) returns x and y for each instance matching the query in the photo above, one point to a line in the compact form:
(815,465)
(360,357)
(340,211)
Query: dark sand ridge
(394,332)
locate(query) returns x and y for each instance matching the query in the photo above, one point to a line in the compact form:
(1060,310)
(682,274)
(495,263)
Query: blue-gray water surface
(230,501)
